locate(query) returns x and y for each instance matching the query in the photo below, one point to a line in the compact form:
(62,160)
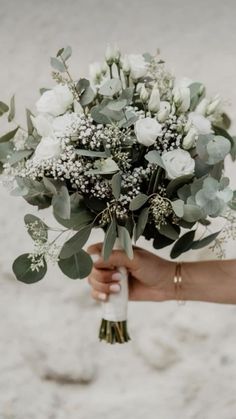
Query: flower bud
(116,54)
(190,139)
(182,98)
(104,69)
(214,105)
(144,94)
(164,111)
(95,72)
(202,107)
(154,101)
(109,55)
(126,65)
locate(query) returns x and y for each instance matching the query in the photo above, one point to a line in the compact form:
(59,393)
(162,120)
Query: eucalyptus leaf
(161,241)
(3,108)
(177,183)
(117,105)
(138,202)
(141,223)
(125,241)
(87,96)
(192,213)
(66,53)
(91,153)
(7,137)
(78,266)
(109,240)
(127,94)
(154,157)
(170,231)
(23,272)
(57,64)
(6,150)
(30,125)
(116,185)
(40,229)
(76,242)
(218,148)
(12,111)
(98,116)
(110,87)
(61,203)
(199,244)
(232,203)
(19,155)
(178,207)
(183,244)
(196,93)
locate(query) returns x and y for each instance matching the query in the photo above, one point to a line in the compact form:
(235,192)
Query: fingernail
(95,258)
(102,296)
(116,276)
(115,288)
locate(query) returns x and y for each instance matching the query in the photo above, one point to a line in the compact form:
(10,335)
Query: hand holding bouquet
(132,151)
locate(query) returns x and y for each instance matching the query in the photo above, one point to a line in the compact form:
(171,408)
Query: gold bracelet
(178,284)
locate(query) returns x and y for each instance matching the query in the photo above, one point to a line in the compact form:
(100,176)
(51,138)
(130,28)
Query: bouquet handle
(114,311)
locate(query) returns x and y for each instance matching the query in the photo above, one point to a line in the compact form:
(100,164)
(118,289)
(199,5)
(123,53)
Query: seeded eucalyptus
(131,150)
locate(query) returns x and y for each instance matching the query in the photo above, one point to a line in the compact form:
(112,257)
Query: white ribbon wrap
(115,308)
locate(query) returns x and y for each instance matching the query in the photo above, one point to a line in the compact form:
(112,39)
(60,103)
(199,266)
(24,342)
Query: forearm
(211,281)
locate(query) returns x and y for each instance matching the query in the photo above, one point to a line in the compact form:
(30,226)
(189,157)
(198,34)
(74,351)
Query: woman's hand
(150,277)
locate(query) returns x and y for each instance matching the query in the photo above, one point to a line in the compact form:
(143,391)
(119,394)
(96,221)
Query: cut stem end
(114,332)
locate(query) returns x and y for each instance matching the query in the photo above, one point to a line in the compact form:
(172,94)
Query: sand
(181,362)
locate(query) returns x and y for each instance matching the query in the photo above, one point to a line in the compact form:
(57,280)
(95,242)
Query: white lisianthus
(56,101)
(61,123)
(95,72)
(178,163)
(109,54)
(202,107)
(182,98)
(48,148)
(138,66)
(200,123)
(125,64)
(144,94)
(43,125)
(147,131)
(190,139)
(164,111)
(154,101)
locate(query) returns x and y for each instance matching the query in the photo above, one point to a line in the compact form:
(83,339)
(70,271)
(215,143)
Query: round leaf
(22,270)
(77,266)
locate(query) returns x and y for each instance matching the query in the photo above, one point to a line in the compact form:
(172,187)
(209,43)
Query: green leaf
(154,157)
(57,64)
(12,111)
(82,85)
(141,223)
(127,94)
(175,184)
(76,242)
(198,244)
(22,270)
(50,185)
(91,153)
(223,133)
(3,108)
(116,185)
(40,229)
(66,53)
(138,202)
(178,207)
(161,241)
(87,97)
(192,213)
(61,203)
(196,93)
(78,266)
(117,105)
(110,87)
(217,149)
(169,231)
(7,137)
(30,125)
(183,244)
(125,241)
(17,156)
(98,116)
(80,216)
(6,150)
(105,166)
(232,203)
(109,240)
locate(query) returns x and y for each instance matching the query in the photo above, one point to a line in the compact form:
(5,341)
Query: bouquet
(133,151)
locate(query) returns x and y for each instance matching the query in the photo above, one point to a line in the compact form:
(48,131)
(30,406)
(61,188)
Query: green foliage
(12,110)
(125,241)
(65,53)
(154,157)
(232,203)
(110,87)
(192,213)
(183,244)
(92,153)
(141,223)
(9,136)
(199,244)
(3,108)
(40,229)
(79,216)
(196,93)
(75,243)
(176,184)
(34,192)
(30,125)
(109,240)
(212,149)
(61,203)
(138,202)
(22,270)
(78,266)
(57,64)
(18,156)
(116,185)
(170,231)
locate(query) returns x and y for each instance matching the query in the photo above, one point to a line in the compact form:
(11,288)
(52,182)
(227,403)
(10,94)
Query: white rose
(200,123)
(138,66)
(48,148)
(164,111)
(55,101)
(62,123)
(182,98)
(43,125)
(147,130)
(178,163)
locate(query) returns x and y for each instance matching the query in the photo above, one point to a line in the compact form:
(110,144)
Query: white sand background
(181,362)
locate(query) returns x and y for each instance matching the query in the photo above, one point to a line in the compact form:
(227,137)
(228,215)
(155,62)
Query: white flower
(56,101)
(202,107)
(125,64)
(164,111)
(48,148)
(138,66)
(147,130)
(182,98)
(178,163)
(43,125)
(144,94)
(200,123)
(61,123)
(109,54)
(214,105)
(190,139)
(154,101)
(95,72)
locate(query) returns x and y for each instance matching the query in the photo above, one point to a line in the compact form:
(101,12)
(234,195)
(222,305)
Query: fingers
(103,283)
(117,258)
